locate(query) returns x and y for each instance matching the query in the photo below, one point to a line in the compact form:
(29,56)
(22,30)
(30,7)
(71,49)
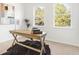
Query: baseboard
(63,43)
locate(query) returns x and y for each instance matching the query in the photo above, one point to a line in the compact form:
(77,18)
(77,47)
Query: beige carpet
(56,48)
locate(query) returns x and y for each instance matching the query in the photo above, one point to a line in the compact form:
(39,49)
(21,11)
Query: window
(39,16)
(62,15)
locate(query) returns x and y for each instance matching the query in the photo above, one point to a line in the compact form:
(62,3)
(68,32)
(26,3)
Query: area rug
(19,50)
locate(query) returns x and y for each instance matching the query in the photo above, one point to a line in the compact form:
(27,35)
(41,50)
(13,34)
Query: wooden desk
(28,34)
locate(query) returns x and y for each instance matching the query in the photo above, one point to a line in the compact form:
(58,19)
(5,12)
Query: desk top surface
(26,32)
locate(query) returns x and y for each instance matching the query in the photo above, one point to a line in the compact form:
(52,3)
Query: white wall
(63,35)
(19,14)
(4,29)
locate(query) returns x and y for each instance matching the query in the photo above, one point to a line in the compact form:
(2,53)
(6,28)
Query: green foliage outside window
(62,16)
(39,16)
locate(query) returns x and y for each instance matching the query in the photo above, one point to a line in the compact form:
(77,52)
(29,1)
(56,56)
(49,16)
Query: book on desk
(36,31)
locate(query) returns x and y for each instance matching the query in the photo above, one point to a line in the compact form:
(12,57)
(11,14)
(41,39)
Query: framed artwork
(7,14)
(62,15)
(39,16)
